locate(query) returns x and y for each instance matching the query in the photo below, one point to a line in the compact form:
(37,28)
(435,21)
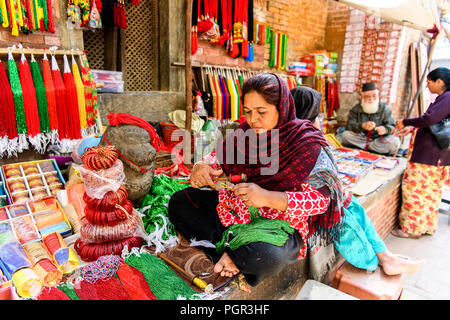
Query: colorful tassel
(51,27)
(71,102)
(90,91)
(60,95)
(9,145)
(30,106)
(51,99)
(80,97)
(16,88)
(40,96)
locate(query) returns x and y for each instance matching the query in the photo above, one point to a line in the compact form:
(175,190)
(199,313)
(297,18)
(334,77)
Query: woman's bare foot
(226,266)
(393,264)
(402,234)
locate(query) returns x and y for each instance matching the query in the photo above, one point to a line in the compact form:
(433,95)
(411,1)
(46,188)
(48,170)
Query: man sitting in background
(370,124)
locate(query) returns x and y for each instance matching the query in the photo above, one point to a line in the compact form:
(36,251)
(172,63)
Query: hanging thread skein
(35,137)
(16,88)
(71,102)
(51,99)
(41,96)
(10,141)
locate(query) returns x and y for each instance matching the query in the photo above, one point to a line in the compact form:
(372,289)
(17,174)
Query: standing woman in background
(428,168)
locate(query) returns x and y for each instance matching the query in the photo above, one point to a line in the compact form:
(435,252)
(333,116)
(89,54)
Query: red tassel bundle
(110,289)
(60,96)
(50,93)
(7,106)
(71,102)
(29,99)
(52,293)
(120,19)
(134,283)
(51,27)
(116,118)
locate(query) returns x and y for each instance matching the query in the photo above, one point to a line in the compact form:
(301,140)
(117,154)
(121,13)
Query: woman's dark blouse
(426,149)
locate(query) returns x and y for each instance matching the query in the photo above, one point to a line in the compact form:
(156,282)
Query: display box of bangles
(31,221)
(31,180)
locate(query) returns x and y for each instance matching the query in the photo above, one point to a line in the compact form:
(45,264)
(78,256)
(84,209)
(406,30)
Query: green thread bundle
(163,187)
(41,96)
(16,88)
(69,290)
(259,229)
(163,281)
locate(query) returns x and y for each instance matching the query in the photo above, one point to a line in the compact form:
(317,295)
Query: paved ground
(433,280)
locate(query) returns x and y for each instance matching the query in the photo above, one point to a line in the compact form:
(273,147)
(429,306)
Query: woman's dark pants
(194,215)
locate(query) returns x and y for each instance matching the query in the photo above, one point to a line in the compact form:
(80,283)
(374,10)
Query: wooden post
(188,77)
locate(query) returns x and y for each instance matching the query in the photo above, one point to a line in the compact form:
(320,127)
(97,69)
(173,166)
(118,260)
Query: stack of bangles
(91,233)
(92,251)
(111,217)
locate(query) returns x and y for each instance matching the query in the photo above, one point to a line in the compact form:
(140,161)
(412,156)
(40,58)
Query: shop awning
(417,14)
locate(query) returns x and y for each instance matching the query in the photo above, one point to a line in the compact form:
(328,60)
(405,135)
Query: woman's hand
(399,124)
(202,175)
(255,196)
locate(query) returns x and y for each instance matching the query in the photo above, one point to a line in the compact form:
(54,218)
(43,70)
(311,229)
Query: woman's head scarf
(301,155)
(295,154)
(307,102)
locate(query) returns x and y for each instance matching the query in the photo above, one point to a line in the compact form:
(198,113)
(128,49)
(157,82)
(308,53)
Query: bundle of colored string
(101,269)
(63,256)
(42,264)
(109,224)
(13,256)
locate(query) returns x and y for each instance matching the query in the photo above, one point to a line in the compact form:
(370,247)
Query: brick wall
(63,37)
(37,39)
(304,22)
(384,212)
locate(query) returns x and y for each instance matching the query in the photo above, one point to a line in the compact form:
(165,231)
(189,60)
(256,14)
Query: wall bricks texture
(384,212)
(304,22)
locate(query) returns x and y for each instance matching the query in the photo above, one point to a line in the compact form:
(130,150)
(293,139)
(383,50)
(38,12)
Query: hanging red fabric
(29,99)
(60,96)
(50,93)
(7,106)
(51,27)
(71,102)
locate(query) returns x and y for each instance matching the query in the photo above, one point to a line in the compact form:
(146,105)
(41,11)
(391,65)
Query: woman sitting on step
(359,242)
